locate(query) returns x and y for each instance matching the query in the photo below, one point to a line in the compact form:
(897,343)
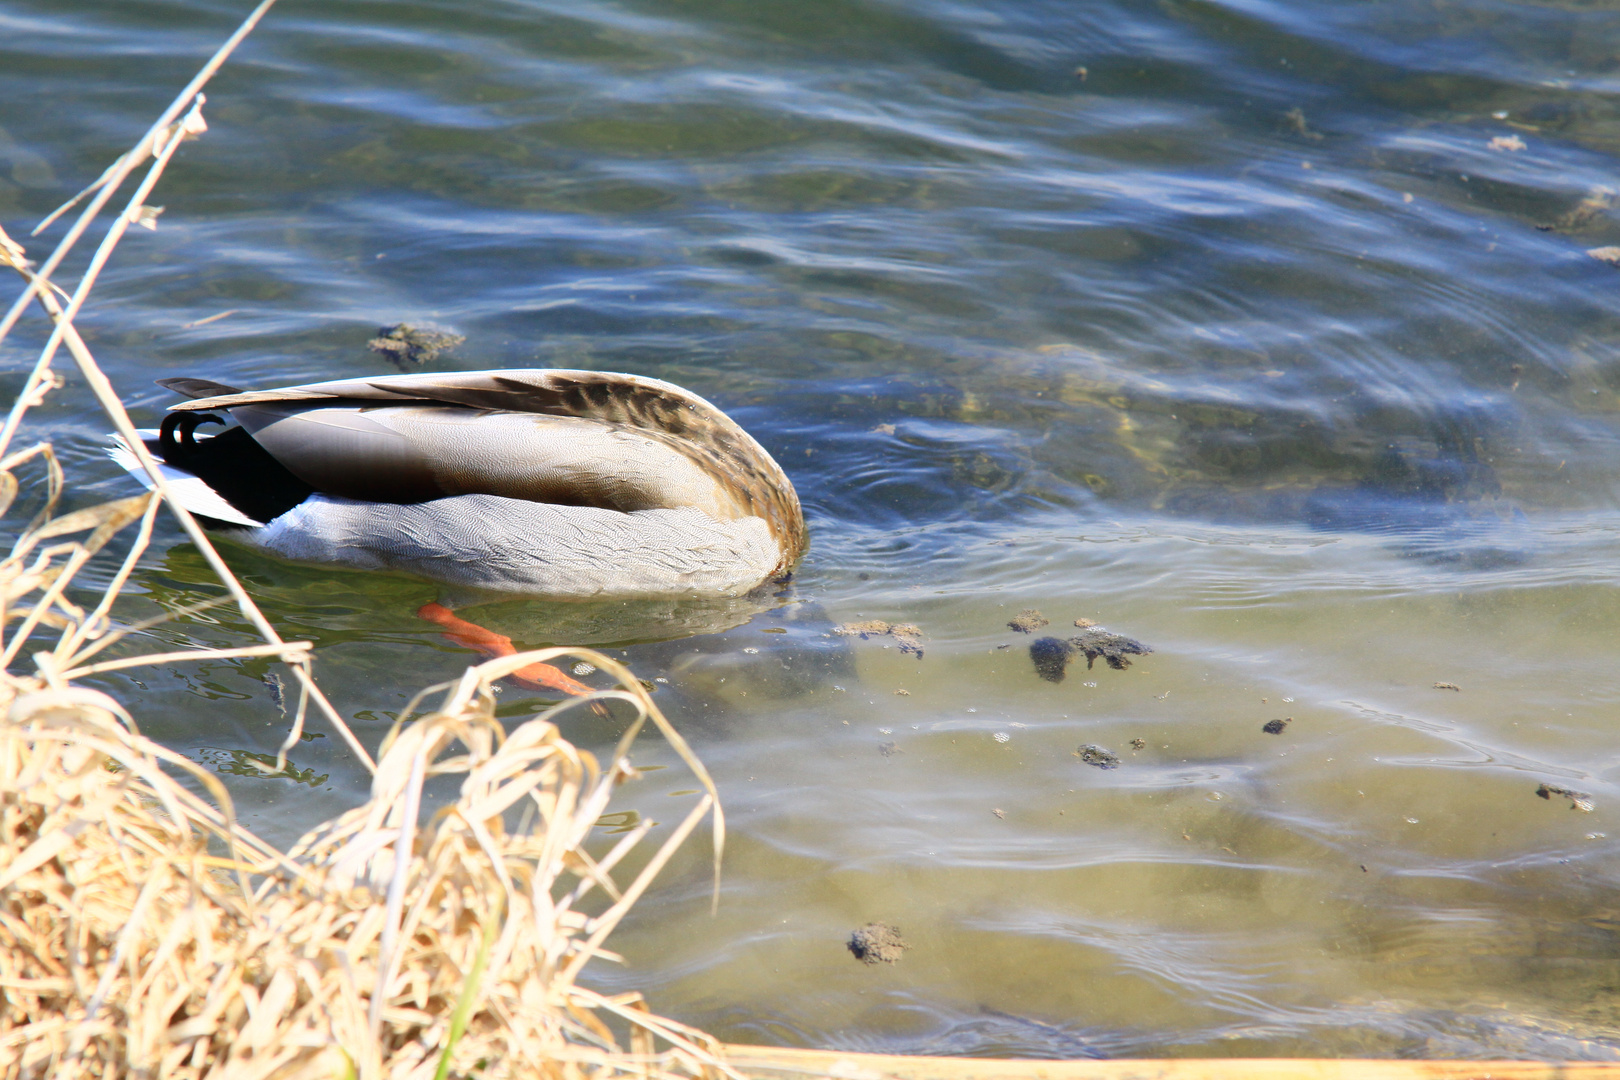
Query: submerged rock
(1092,754)
(409,346)
(1052,656)
(1114,648)
(877,943)
(907,635)
(1028,621)
(1578,800)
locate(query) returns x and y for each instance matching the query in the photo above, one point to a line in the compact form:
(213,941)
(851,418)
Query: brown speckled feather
(654,409)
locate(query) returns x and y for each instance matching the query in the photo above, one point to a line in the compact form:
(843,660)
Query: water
(1262,332)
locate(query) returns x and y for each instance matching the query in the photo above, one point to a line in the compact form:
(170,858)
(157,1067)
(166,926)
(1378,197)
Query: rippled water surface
(1263,331)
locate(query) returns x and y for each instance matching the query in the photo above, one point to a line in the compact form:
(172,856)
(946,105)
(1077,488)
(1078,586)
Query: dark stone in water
(1095,755)
(1114,648)
(1275,727)
(877,943)
(408,345)
(1052,656)
(1578,800)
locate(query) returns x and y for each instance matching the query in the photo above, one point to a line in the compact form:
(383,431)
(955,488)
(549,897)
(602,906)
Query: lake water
(1262,331)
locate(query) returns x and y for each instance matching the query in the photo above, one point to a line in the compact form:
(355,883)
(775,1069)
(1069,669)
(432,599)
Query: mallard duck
(554,483)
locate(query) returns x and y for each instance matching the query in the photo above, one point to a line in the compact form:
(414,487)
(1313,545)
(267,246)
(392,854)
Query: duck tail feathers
(188,490)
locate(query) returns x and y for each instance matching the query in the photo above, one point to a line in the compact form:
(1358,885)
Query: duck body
(556,483)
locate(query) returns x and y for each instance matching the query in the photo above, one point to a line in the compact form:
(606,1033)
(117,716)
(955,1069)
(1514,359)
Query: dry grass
(143,933)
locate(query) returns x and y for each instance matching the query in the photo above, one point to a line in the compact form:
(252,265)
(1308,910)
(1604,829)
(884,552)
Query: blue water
(1265,333)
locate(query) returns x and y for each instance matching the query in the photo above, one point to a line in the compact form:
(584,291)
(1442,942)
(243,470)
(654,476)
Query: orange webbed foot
(491,644)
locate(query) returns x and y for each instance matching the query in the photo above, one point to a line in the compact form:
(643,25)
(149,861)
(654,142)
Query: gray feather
(512,545)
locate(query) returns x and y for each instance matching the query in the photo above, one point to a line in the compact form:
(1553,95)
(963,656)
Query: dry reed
(144,933)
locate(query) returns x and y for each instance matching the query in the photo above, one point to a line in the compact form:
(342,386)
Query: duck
(551,483)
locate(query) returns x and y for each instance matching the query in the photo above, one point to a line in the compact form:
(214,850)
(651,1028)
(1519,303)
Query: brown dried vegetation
(144,932)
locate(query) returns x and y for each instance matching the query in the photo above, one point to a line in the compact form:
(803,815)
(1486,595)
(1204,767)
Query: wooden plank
(779,1063)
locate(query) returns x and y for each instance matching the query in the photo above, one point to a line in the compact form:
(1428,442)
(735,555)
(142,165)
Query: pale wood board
(796,1064)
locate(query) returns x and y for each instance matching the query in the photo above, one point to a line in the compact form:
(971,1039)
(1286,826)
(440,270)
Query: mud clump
(1092,754)
(907,635)
(412,346)
(1052,656)
(1578,800)
(877,943)
(1028,621)
(1275,727)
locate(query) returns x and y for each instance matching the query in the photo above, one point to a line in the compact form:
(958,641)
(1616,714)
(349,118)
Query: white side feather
(189,491)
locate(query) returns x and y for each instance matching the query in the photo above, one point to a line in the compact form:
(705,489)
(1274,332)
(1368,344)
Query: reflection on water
(1265,334)
(255,766)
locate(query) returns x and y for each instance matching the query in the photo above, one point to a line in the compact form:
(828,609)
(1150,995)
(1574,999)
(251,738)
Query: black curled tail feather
(238,469)
(175,450)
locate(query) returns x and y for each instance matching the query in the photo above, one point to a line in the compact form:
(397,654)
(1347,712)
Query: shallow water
(1262,332)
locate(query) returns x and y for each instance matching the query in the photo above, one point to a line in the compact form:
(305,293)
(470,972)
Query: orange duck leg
(491,644)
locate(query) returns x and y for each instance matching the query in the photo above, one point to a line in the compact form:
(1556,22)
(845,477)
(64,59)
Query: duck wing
(197,388)
(592,438)
(629,400)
